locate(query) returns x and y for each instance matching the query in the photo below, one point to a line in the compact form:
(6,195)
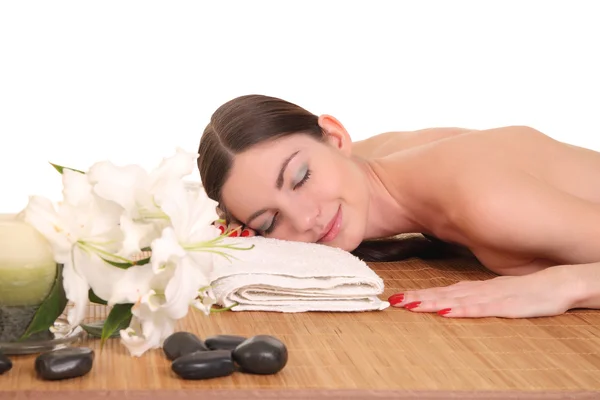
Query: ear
(335,134)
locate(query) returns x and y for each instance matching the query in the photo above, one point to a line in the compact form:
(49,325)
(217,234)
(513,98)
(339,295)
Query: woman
(527,206)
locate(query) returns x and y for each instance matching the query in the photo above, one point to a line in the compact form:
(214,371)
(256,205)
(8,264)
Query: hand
(234,230)
(544,293)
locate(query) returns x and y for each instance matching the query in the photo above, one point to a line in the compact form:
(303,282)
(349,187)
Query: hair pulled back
(246,121)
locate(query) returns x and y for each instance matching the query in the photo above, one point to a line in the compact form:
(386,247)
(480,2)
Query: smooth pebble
(224,342)
(71,362)
(182,343)
(5,363)
(261,354)
(204,365)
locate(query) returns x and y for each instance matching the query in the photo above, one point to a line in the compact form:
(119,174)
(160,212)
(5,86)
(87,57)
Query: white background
(128,81)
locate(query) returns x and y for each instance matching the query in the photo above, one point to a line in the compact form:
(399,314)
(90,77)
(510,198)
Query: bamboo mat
(387,354)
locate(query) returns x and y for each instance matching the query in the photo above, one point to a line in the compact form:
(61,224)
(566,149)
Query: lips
(333,227)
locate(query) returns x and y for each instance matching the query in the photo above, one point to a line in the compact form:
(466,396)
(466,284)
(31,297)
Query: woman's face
(300,189)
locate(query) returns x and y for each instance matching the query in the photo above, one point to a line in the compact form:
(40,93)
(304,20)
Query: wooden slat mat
(388,354)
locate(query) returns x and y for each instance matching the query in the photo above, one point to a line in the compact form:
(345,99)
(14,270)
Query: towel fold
(286,276)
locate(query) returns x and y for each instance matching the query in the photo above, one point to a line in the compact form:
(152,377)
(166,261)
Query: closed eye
(303,180)
(275,219)
(271,227)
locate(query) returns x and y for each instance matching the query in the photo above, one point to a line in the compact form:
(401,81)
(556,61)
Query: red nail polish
(412,305)
(396,298)
(233,233)
(444,311)
(245,233)
(222,229)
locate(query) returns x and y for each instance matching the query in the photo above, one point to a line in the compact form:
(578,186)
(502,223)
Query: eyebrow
(284,165)
(278,184)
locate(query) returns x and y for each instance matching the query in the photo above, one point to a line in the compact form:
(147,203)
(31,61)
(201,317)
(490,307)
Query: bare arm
(532,218)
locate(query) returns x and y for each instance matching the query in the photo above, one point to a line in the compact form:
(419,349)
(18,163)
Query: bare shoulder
(387,143)
(512,210)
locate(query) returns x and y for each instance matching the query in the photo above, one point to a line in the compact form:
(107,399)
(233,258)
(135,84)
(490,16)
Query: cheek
(332,183)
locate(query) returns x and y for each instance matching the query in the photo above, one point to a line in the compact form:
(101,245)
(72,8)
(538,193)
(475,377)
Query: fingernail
(412,305)
(396,298)
(245,233)
(444,311)
(233,233)
(221,228)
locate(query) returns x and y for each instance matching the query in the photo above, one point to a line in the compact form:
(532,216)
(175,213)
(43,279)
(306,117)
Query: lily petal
(41,214)
(118,183)
(149,328)
(173,168)
(104,278)
(76,188)
(192,214)
(136,236)
(182,289)
(76,290)
(205,301)
(166,251)
(131,286)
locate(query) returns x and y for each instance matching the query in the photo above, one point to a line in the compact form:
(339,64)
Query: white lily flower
(136,236)
(80,218)
(137,191)
(82,230)
(110,215)
(156,314)
(76,290)
(134,189)
(166,251)
(205,300)
(176,258)
(87,216)
(149,327)
(41,214)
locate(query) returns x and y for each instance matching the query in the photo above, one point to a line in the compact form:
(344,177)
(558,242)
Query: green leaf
(93,297)
(122,265)
(94,329)
(116,318)
(60,168)
(142,261)
(50,309)
(126,265)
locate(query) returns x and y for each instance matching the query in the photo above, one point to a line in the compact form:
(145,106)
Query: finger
(435,305)
(221,225)
(234,230)
(498,308)
(513,307)
(247,232)
(460,289)
(402,299)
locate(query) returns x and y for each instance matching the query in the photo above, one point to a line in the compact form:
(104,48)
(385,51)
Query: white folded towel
(286,276)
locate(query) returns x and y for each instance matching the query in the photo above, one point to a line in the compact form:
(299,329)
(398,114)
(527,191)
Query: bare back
(431,164)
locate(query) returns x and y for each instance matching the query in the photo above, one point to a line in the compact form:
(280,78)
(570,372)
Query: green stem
(104,252)
(206,245)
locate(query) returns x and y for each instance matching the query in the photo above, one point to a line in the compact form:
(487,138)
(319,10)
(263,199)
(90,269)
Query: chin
(348,243)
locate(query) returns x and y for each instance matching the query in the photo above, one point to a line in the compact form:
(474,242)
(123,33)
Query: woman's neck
(387,216)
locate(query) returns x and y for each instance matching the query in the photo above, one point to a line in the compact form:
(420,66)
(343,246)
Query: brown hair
(249,120)
(242,123)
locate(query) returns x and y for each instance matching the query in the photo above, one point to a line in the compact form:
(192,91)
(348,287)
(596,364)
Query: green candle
(27,267)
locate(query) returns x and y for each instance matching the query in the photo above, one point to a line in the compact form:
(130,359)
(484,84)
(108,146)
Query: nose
(303,215)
